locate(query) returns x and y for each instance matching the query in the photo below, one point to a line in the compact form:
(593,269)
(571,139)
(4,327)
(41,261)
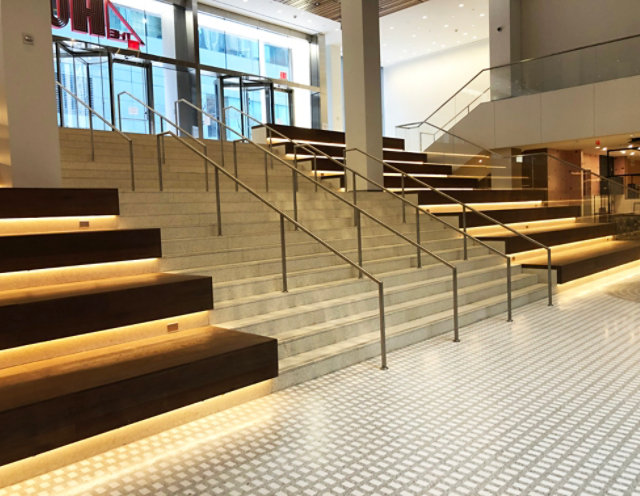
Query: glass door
(86,74)
(252,95)
(134,78)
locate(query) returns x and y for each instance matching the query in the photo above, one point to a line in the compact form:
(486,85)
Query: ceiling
(421,30)
(331,8)
(432,27)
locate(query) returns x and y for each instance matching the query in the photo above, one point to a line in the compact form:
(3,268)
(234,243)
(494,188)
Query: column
(29,141)
(362,88)
(505,47)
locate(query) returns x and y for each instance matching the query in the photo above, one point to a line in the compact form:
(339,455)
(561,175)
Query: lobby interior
(258,247)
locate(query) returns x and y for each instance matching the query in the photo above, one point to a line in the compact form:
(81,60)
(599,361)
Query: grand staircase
(328,319)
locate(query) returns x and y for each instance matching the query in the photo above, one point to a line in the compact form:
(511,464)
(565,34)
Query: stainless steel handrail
(314,150)
(501,66)
(161,155)
(283,217)
(358,212)
(113,128)
(466,207)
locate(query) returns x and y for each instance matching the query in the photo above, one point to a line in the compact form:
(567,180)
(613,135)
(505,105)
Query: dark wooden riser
(336,152)
(324,136)
(121,392)
(20,203)
(574,266)
(324,164)
(32,316)
(40,251)
(515,244)
(484,196)
(435,182)
(519,215)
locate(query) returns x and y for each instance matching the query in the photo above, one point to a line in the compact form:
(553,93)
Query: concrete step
(322,360)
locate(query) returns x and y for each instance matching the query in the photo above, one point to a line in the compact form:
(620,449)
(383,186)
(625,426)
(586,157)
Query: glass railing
(612,203)
(612,59)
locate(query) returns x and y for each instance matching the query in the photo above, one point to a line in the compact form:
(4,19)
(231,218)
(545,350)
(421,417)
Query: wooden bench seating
(47,404)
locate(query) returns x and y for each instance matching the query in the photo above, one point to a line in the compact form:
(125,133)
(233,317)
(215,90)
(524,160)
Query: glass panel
(282,107)
(127,20)
(277,62)
(132,78)
(210,104)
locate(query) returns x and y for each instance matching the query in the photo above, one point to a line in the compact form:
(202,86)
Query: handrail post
(120,111)
(355,191)
(464,229)
(160,185)
(418,237)
(206,169)
(456,332)
(218,208)
(163,148)
(285,288)
(221,149)
(383,331)
(93,146)
(509,314)
(315,170)
(549,282)
(359,230)
(266,172)
(133,177)
(295,196)
(235,161)
(404,213)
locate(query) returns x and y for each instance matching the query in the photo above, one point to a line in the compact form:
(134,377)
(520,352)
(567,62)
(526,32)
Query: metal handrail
(283,216)
(358,212)
(163,119)
(113,128)
(501,66)
(466,207)
(314,150)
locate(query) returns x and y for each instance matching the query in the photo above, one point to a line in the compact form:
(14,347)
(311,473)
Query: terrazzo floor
(548,404)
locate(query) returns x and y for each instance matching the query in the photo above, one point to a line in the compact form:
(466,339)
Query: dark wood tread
(514,215)
(552,236)
(325,136)
(48,250)
(48,404)
(20,203)
(51,312)
(483,196)
(589,260)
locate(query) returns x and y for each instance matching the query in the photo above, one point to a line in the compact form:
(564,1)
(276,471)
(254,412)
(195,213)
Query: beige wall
(29,144)
(589,111)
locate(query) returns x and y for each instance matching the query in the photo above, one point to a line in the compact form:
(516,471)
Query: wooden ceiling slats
(331,8)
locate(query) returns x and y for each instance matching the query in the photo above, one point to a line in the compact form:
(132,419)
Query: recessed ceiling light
(391,27)
(465,34)
(475,37)
(481,15)
(446,25)
(425,17)
(461,5)
(413,35)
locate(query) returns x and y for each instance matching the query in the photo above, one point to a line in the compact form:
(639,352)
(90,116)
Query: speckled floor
(548,404)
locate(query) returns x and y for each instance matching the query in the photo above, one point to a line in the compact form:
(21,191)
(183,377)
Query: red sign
(283,75)
(92,17)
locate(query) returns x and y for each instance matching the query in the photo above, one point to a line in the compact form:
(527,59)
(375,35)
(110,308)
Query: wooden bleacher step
(47,404)
(45,313)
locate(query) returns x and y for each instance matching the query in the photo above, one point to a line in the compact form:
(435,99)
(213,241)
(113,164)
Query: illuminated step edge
(41,225)
(522,227)
(13,357)
(524,256)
